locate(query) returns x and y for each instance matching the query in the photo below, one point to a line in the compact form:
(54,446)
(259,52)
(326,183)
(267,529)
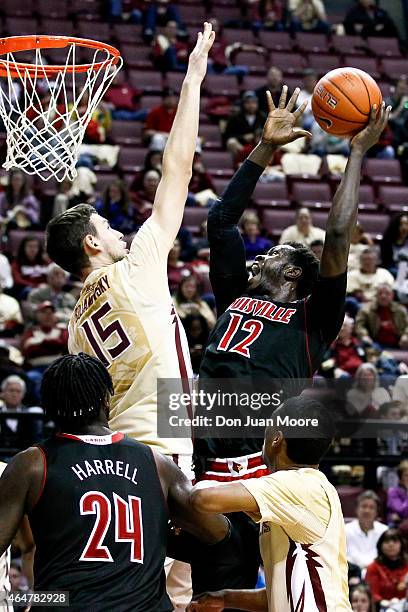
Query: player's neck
(94,429)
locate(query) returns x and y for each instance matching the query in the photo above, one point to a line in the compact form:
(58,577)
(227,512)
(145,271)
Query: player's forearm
(343,212)
(181,144)
(251,600)
(262,154)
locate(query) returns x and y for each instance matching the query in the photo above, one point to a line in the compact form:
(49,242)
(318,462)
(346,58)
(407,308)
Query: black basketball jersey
(100,525)
(257,337)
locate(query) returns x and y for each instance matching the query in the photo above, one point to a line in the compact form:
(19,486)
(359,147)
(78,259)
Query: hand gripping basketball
(368,137)
(279,128)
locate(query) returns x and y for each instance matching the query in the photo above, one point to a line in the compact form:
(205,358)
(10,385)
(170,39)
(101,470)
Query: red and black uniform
(255,337)
(100,525)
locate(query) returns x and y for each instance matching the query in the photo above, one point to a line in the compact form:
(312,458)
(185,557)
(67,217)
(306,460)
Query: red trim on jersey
(307,341)
(44,458)
(115,437)
(182,363)
(229,478)
(218,466)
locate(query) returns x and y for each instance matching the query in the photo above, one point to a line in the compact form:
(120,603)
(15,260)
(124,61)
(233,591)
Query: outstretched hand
(197,63)
(370,135)
(279,128)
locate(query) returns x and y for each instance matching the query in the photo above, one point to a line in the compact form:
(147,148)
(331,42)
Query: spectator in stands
(394,242)
(346,351)
(187,301)
(386,575)
(402,604)
(11,320)
(30,266)
(197,332)
(367,19)
(6,275)
(170,53)
(124,101)
(62,199)
(310,79)
(142,200)
(115,206)
(363,532)
(359,242)
(19,208)
(274,84)
(255,244)
(400,390)
(176,269)
(267,14)
(389,440)
(244,129)
(152,161)
(17,431)
(362,284)
(159,13)
(317,248)
(43,343)
(303,231)
(160,118)
(308,16)
(360,599)
(222,54)
(397,497)
(366,396)
(383,321)
(201,188)
(323,143)
(53,291)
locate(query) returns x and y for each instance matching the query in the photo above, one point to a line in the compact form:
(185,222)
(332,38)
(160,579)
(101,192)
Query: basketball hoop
(46,124)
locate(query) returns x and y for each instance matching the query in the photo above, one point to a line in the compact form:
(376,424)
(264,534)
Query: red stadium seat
(86,8)
(288,62)
(366,198)
(128,33)
(382,171)
(348,45)
(211,136)
(312,43)
(271,195)
(148,80)
(195,14)
(136,56)
(245,37)
(255,61)
(373,223)
(193,217)
(323,63)
(368,64)
(218,162)
(320,219)
(104,179)
(253,82)
(383,47)
(312,194)
(150,102)
(226,15)
(52,9)
(64,27)
(392,68)
(390,194)
(276,41)
(17,8)
(131,159)
(275,221)
(15,26)
(348,499)
(126,132)
(221,85)
(96,30)
(174,80)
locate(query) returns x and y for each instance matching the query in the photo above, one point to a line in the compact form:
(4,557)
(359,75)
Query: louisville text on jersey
(262,308)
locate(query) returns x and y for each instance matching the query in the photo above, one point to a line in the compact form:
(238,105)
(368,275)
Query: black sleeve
(228,272)
(325,306)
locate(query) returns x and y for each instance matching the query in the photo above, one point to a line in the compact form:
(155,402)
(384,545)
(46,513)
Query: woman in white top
(366,396)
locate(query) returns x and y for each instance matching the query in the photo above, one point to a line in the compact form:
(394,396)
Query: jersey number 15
(103,333)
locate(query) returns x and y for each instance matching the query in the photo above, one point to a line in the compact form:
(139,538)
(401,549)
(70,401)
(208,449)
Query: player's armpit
(231,497)
(20,485)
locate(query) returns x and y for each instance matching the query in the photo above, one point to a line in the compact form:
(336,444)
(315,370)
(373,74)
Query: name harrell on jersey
(126,318)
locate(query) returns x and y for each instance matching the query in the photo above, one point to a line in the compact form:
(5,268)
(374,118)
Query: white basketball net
(47,119)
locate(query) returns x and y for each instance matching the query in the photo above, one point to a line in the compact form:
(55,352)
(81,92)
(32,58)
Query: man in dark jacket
(245,128)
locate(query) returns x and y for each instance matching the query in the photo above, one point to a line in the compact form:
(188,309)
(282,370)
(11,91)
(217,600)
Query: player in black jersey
(98,502)
(278,321)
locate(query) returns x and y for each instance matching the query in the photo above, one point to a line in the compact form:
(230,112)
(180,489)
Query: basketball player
(302,539)
(124,315)
(278,323)
(98,502)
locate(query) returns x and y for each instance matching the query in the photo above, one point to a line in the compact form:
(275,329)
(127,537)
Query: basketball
(342,101)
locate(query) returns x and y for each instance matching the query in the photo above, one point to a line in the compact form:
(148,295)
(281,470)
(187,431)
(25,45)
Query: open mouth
(255,268)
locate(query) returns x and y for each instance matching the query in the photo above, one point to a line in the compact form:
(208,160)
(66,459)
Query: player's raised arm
(343,213)
(178,155)
(228,264)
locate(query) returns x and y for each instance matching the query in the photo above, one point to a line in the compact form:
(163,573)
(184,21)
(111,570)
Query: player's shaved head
(298,444)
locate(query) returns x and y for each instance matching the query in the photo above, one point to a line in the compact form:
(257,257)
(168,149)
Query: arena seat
(220,184)
(221,84)
(256,62)
(393,68)
(131,159)
(373,223)
(218,162)
(393,194)
(226,15)
(276,41)
(137,57)
(273,194)
(366,198)
(368,64)
(348,45)
(150,102)
(63,27)
(322,63)
(174,80)
(194,14)
(96,30)
(16,236)
(312,194)
(253,82)
(319,218)
(383,46)
(126,132)
(193,217)
(128,33)
(104,179)
(52,9)
(348,499)
(211,136)
(150,81)
(312,43)
(18,8)
(232,35)
(382,171)
(21,26)
(288,62)
(275,221)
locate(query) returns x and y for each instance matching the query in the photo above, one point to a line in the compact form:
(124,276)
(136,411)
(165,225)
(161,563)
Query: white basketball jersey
(5,586)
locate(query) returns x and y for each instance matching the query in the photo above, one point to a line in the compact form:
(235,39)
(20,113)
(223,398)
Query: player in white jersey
(302,538)
(24,541)
(124,315)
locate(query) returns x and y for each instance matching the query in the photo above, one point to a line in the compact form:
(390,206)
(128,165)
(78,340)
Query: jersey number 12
(252,326)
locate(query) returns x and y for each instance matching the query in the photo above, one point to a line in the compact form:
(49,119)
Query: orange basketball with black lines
(342,101)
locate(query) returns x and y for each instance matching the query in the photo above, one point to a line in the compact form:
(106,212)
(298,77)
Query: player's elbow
(203,500)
